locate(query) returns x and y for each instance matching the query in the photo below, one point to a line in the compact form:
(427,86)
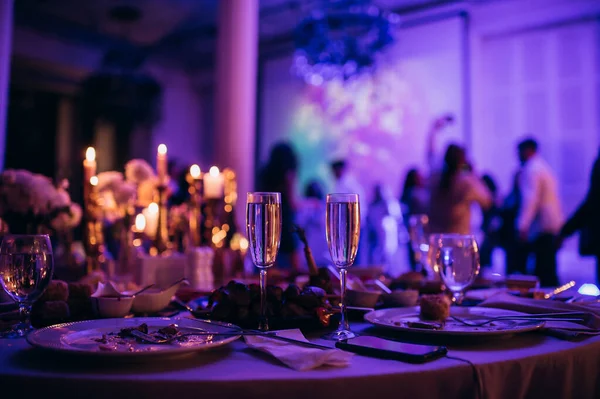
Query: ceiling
(177,29)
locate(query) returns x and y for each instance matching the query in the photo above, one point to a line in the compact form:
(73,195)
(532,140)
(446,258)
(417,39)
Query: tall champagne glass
(26,267)
(263,226)
(343,232)
(456,258)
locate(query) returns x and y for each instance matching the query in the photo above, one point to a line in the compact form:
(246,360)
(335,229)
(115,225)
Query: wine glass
(456,258)
(343,232)
(263,226)
(418,228)
(26,267)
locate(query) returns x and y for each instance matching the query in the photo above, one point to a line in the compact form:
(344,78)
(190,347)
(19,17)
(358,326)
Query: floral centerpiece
(139,173)
(31,203)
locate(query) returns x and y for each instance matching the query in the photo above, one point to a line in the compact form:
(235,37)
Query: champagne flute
(263,226)
(26,266)
(456,258)
(343,232)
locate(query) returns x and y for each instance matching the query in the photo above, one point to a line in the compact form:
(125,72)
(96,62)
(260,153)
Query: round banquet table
(529,365)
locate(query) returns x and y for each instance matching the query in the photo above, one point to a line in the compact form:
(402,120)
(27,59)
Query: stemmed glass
(343,232)
(263,226)
(418,227)
(26,266)
(456,258)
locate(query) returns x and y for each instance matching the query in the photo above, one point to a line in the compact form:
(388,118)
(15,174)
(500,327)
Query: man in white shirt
(540,215)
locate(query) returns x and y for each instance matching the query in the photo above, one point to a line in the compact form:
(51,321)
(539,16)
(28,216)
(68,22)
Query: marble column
(6,28)
(235,105)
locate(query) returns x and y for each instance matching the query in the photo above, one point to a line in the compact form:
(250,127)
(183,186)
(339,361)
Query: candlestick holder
(161,240)
(195,212)
(211,220)
(93,235)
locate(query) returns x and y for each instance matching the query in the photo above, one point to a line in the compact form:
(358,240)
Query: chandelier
(341,40)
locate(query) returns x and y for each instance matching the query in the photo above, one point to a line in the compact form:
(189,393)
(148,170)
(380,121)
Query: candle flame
(214,171)
(153,207)
(94,180)
(90,154)
(195,171)
(140,222)
(162,149)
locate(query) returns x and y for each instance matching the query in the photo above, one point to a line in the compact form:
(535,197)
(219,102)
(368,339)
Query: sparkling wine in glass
(26,266)
(456,258)
(263,226)
(343,233)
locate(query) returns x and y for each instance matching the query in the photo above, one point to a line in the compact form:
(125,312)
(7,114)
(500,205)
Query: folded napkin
(298,357)
(560,329)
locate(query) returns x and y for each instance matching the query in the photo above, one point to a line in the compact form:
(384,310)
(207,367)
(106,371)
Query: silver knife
(273,335)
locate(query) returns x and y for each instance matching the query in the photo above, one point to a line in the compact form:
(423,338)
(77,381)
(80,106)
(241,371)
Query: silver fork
(154,340)
(571,316)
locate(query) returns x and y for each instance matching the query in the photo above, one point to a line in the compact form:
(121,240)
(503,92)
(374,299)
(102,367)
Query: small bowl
(112,307)
(107,302)
(401,298)
(154,300)
(362,299)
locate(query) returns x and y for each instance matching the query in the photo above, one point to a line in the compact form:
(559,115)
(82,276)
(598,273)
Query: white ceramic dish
(363,299)
(154,300)
(107,302)
(401,298)
(397,318)
(78,337)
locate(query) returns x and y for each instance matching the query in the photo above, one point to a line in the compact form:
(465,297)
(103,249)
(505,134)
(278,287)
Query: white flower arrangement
(138,171)
(30,200)
(115,194)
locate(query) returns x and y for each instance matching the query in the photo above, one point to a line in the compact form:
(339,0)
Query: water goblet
(26,266)
(343,232)
(456,258)
(263,226)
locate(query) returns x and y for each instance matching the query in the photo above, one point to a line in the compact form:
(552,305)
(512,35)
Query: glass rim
(353,196)
(25,235)
(253,196)
(454,236)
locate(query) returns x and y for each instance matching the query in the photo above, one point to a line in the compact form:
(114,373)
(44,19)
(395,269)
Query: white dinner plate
(80,337)
(397,319)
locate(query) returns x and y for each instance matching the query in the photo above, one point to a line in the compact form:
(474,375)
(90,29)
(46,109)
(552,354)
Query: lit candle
(89,164)
(151,217)
(213,183)
(94,181)
(195,172)
(161,164)
(140,223)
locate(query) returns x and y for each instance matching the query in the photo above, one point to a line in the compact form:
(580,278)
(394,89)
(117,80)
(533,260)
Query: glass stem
(457,297)
(344,321)
(24,316)
(263,324)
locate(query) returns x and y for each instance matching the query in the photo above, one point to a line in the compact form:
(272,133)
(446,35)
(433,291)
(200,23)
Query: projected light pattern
(376,122)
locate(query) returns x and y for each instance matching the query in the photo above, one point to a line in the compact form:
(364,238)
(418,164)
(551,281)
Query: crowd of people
(527,223)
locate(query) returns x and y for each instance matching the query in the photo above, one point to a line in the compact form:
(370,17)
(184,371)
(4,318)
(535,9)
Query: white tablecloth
(525,366)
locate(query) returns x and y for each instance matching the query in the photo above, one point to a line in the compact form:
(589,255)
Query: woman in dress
(453,192)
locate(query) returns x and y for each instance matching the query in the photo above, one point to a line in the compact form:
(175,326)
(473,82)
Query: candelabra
(93,234)
(161,239)
(195,211)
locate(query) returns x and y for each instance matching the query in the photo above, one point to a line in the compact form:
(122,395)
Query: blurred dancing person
(540,217)
(586,220)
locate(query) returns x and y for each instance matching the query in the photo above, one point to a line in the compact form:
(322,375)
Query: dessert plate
(401,319)
(82,337)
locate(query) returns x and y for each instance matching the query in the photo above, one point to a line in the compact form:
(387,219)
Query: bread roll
(57,290)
